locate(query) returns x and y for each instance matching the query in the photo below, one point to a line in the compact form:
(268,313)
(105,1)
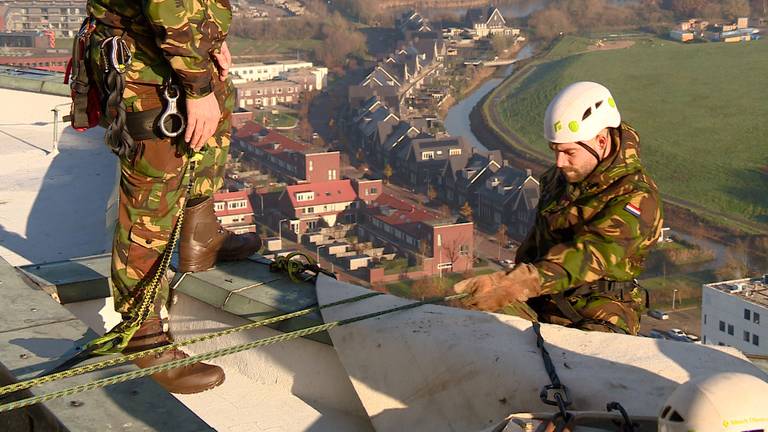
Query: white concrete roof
(53,202)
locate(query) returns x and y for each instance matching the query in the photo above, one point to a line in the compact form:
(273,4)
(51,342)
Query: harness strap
(600,287)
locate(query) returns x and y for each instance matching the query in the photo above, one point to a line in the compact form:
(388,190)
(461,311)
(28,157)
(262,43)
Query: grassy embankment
(700,110)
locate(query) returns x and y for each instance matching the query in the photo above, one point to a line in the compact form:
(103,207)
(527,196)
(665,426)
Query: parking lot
(687,320)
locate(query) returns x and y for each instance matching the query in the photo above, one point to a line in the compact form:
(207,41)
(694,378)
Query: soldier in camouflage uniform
(180,42)
(598,215)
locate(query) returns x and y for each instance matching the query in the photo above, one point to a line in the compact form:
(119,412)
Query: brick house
(234,211)
(442,244)
(286,159)
(368,190)
(311,206)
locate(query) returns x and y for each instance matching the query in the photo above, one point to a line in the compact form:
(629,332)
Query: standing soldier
(145,57)
(598,215)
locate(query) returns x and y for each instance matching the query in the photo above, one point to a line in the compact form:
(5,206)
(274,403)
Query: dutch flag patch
(632,209)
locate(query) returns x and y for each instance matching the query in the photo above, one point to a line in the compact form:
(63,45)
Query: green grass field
(701,111)
(245,47)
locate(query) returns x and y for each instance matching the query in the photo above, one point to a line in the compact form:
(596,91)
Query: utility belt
(158,123)
(615,289)
(92,106)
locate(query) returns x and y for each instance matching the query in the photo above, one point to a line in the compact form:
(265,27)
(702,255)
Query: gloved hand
(493,291)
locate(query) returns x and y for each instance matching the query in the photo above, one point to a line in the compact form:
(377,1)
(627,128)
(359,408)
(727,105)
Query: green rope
(127,376)
(116,339)
(128,357)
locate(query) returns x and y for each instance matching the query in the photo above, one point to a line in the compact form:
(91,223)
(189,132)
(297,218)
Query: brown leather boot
(195,378)
(203,241)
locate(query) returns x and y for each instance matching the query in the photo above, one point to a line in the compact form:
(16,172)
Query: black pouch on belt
(85,111)
(143,125)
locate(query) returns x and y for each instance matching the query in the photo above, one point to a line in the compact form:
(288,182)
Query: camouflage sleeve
(188,31)
(612,245)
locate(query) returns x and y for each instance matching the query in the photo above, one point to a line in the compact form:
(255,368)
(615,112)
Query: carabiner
(171,113)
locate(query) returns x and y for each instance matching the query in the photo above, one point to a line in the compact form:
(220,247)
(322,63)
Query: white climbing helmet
(579,112)
(730,402)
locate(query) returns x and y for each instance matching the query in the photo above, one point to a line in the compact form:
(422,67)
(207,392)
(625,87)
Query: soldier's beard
(575,175)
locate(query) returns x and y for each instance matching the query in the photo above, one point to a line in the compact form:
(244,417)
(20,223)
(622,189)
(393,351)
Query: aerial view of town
(389,215)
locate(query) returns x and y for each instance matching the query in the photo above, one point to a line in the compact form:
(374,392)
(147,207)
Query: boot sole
(210,387)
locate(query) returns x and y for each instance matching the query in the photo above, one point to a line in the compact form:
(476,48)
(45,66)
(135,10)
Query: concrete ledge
(243,288)
(74,280)
(249,290)
(35,333)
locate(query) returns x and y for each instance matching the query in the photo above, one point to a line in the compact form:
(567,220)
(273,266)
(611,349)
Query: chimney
(527,172)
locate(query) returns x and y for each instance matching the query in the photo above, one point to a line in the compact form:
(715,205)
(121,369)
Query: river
(457,121)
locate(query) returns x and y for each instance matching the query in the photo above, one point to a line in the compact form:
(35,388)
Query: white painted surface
(298,385)
(54,205)
(441,368)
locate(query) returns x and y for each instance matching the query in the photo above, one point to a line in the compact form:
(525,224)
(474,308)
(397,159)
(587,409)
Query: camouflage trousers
(152,189)
(601,312)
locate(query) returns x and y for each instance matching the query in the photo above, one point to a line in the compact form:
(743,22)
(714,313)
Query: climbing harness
(171,116)
(209,355)
(115,59)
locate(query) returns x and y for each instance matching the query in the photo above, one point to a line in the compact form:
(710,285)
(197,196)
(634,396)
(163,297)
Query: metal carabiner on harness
(115,54)
(171,113)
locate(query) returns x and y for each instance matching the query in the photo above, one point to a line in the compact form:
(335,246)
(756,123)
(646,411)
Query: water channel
(457,121)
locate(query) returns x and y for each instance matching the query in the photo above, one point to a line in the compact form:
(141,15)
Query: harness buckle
(555,395)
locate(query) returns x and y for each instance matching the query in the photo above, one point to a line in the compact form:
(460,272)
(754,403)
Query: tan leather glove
(493,291)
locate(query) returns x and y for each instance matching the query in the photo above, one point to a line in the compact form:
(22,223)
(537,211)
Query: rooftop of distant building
(754,290)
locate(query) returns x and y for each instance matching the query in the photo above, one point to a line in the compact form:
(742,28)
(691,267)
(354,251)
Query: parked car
(660,315)
(678,335)
(507,263)
(657,334)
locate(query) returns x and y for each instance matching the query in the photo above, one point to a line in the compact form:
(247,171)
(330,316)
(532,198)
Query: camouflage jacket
(165,37)
(599,228)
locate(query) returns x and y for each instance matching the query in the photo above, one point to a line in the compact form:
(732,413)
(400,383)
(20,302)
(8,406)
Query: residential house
(284,158)
(315,78)
(485,22)
(367,189)
(360,95)
(423,162)
(508,197)
(440,244)
(311,206)
(234,211)
(461,186)
(259,94)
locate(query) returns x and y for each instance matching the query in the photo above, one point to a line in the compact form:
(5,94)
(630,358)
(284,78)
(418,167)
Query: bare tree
(466,211)
(502,237)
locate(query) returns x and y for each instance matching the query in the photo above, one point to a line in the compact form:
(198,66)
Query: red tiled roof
(401,214)
(327,192)
(227,197)
(270,141)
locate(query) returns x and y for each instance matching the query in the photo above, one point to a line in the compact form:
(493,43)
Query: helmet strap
(590,150)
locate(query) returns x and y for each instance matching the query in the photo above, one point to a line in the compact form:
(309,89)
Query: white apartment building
(264,71)
(735,313)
